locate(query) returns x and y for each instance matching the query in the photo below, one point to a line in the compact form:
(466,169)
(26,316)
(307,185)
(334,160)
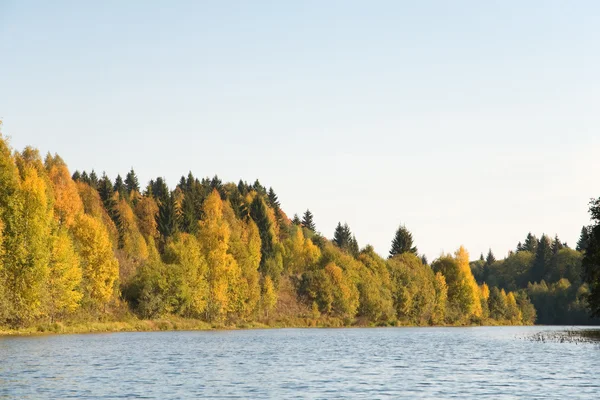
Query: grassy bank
(173,323)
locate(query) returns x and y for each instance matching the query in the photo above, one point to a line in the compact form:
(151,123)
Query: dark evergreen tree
(402,242)
(259,214)
(189,222)
(120,188)
(520,247)
(273,200)
(584,238)
(166,219)
(105,189)
(340,237)
(93,179)
(541,262)
(131,182)
(591,260)
(259,188)
(308,222)
(490,259)
(556,245)
(296,220)
(481,258)
(160,190)
(424,260)
(243,188)
(85,178)
(531,243)
(76,176)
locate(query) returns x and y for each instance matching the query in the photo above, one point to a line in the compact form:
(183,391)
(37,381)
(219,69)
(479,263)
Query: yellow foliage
(92,205)
(62,289)
(67,203)
(269,295)
(213,235)
(100,268)
(473,291)
(146,210)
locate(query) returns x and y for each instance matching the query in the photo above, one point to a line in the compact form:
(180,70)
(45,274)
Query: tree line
(86,246)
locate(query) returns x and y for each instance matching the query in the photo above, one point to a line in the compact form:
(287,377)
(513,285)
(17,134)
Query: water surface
(481,362)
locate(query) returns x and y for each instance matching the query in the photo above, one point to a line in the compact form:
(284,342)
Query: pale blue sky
(472,122)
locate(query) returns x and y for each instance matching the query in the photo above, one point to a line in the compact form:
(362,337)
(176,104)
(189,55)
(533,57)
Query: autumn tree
(213,236)
(62,289)
(100,268)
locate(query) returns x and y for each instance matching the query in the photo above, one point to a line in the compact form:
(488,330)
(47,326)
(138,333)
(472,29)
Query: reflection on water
(478,362)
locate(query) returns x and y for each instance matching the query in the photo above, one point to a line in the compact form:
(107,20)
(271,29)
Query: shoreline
(180,324)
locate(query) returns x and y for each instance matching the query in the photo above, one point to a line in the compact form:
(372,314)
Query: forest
(78,248)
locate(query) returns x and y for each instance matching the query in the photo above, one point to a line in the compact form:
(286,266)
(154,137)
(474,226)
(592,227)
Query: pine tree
(93,180)
(490,259)
(424,260)
(76,176)
(296,220)
(556,245)
(119,187)
(131,182)
(402,242)
(308,222)
(531,243)
(166,219)
(85,178)
(584,238)
(259,214)
(543,256)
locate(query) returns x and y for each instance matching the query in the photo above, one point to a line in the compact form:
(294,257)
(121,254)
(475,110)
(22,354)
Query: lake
(478,362)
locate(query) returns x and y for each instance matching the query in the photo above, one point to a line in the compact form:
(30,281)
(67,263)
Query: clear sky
(472,122)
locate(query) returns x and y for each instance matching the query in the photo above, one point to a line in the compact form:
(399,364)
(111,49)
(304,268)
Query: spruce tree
(584,238)
(259,214)
(131,182)
(307,221)
(296,220)
(76,176)
(556,245)
(273,200)
(93,179)
(85,178)
(424,260)
(166,219)
(490,259)
(541,262)
(119,187)
(531,243)
(402,242)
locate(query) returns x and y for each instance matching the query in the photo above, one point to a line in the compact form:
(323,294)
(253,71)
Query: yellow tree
(146,210)
(213,235)
(269,295)
(62,290)
(133,248)
(300,252)
(26,276)
(100,268)
(190,282)
(472,291)
(67,203)
(244,280)
(92,205)
(463,292)
(441,298)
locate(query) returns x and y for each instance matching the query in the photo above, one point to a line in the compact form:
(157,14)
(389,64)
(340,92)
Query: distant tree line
(84,246)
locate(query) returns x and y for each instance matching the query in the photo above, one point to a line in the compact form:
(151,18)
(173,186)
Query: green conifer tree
(402,242)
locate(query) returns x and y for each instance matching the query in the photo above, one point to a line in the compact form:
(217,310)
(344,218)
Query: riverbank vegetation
(85,250)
